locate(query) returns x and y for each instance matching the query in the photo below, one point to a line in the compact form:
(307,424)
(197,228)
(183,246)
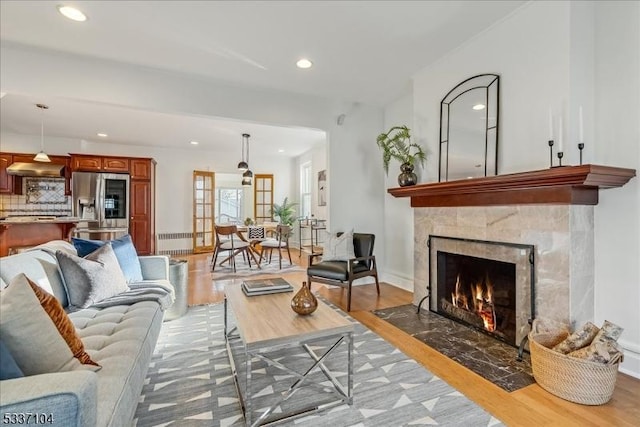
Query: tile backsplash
(43,197)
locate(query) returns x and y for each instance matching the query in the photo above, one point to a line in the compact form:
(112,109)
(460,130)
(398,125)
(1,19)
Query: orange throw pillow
(64,325)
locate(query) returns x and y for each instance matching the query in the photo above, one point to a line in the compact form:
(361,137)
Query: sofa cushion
(62,322)
(125,252)
(30,335)
(9,369)
(121,339)
(338,247)
(93,278)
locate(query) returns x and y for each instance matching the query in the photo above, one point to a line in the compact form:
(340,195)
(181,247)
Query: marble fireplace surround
(561,234)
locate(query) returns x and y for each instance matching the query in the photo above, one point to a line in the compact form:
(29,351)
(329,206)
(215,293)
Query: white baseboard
(631,364)
(402,282)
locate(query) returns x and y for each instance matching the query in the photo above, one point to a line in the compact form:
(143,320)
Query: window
(305,190)
(229,206)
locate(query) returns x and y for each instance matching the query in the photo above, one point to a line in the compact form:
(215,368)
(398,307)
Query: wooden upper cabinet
(115,164)
(141,168)
(6,180)
(86,163)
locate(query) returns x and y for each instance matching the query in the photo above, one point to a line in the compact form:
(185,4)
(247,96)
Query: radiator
(175,243)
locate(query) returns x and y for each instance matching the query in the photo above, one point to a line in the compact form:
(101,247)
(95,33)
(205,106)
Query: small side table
(178,275)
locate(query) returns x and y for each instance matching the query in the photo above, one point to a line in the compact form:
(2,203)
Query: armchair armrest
(154,267)
(61,398)
(312,256)
(353,261)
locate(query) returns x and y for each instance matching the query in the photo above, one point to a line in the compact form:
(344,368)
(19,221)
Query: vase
(304,302)
(407,176)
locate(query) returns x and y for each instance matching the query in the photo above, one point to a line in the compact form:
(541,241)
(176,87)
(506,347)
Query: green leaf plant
(285,212)
(396,144)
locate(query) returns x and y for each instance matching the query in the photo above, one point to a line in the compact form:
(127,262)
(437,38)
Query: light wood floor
(529,406)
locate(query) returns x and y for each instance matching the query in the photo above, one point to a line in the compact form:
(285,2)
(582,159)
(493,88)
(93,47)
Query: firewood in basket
(609,330)
(605,350)
(577,340)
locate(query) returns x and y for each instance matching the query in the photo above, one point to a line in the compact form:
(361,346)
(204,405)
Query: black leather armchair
(343,273)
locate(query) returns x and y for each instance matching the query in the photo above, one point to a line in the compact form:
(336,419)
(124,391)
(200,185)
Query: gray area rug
(189,383)
(243,269)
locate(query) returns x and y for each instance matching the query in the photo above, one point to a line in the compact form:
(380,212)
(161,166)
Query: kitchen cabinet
(6,180)
(10,184)
(93,163)
(86,163)
(142,205)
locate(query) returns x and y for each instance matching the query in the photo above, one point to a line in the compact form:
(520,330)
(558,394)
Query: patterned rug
(243,270)
(189,383)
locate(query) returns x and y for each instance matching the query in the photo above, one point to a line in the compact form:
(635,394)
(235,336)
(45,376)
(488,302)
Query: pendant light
(247,175)
(243,165)
(42,156)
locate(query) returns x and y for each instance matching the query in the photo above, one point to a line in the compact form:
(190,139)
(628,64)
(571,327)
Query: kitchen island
(22,232)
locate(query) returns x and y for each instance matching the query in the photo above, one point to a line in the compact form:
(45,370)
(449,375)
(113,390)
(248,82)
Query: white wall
(617,143)
(545,54)
(398,215)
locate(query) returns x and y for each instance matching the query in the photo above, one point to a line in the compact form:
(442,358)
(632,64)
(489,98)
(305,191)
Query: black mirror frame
(445,139)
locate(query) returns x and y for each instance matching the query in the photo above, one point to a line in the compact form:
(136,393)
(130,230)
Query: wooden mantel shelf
(576,185)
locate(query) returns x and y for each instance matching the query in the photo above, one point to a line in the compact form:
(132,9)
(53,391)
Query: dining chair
(280,242)
(228,240)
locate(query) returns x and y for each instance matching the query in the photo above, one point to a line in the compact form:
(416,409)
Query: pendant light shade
(42,156)
(247,175)
(244,165)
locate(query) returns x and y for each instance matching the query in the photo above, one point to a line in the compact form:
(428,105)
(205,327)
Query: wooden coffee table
(266,323)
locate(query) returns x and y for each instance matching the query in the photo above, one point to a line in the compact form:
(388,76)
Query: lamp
(244,165)
(42,156)
(247,175)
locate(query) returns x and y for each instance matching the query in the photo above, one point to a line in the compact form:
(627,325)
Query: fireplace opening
(486,285)
(479,292)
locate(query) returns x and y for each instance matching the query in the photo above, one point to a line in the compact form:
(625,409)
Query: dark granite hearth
(486,356)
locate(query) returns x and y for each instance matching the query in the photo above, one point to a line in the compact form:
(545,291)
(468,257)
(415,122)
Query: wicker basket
(575,380)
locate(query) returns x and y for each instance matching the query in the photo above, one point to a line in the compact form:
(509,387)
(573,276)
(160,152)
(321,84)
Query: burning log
(462,314)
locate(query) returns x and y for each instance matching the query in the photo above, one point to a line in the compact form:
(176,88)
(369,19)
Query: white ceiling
(363,51)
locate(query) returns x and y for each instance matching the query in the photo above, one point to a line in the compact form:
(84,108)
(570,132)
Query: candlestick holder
(560,156)
(580,147)
(551,153)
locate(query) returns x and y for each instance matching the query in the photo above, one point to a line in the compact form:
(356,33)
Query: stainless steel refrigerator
(101,200)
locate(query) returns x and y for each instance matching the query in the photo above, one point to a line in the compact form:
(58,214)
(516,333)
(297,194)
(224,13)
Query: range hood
(35,169)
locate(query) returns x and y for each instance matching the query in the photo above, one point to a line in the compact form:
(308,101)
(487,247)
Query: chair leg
(279,258)
(261,253)
(377,284)
(288,252)
(214,258)
(349,296)
(270,254)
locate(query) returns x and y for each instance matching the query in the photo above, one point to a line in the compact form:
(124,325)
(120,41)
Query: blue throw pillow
(125,252)
(9,369)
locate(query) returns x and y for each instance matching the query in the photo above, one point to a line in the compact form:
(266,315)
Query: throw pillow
(125,252)
(93,278)
(64,325)
(9,369)
(338,248)
(30,335)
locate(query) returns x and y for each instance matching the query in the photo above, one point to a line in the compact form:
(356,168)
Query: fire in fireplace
(480,292)
(483,284)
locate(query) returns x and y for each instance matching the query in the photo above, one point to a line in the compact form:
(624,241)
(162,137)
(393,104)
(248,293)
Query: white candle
(580,127)
(560,134)
(550,125)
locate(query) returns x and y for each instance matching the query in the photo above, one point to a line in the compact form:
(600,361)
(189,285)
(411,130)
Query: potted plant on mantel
(396,144)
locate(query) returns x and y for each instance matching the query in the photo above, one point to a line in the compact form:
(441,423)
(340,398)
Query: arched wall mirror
(469,117)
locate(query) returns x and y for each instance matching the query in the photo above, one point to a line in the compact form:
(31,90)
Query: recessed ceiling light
(304,63)
(102,135)
(479,107)
(194,142)
(281,150)
(72,13)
